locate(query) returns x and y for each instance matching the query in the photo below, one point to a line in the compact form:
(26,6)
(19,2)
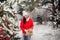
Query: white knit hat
(25,13)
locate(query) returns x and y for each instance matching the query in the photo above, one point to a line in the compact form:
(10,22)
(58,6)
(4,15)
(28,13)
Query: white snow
(42,32)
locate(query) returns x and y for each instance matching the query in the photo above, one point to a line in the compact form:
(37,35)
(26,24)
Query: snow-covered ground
(42,32)
(45,32)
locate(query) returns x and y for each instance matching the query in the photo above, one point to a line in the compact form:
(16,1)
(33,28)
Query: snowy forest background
(46,10)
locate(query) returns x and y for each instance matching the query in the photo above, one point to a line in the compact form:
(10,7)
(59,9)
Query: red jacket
(26,26)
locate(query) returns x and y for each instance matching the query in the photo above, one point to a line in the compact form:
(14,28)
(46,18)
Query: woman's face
(26,16)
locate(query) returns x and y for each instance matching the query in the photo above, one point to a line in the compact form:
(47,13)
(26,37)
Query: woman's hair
(24,20)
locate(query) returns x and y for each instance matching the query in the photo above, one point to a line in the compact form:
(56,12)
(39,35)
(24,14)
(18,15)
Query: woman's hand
(29,32)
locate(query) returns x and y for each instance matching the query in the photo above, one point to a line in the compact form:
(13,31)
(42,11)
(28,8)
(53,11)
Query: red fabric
(26,26)
(0,38)
(3,34)
(7,38)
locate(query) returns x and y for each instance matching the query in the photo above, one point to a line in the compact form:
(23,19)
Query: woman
(26,26)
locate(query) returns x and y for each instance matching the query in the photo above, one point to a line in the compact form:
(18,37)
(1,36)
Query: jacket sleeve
(21,25)
(31,24)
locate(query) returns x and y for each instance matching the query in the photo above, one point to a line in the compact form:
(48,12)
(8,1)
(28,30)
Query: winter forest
(44,13)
